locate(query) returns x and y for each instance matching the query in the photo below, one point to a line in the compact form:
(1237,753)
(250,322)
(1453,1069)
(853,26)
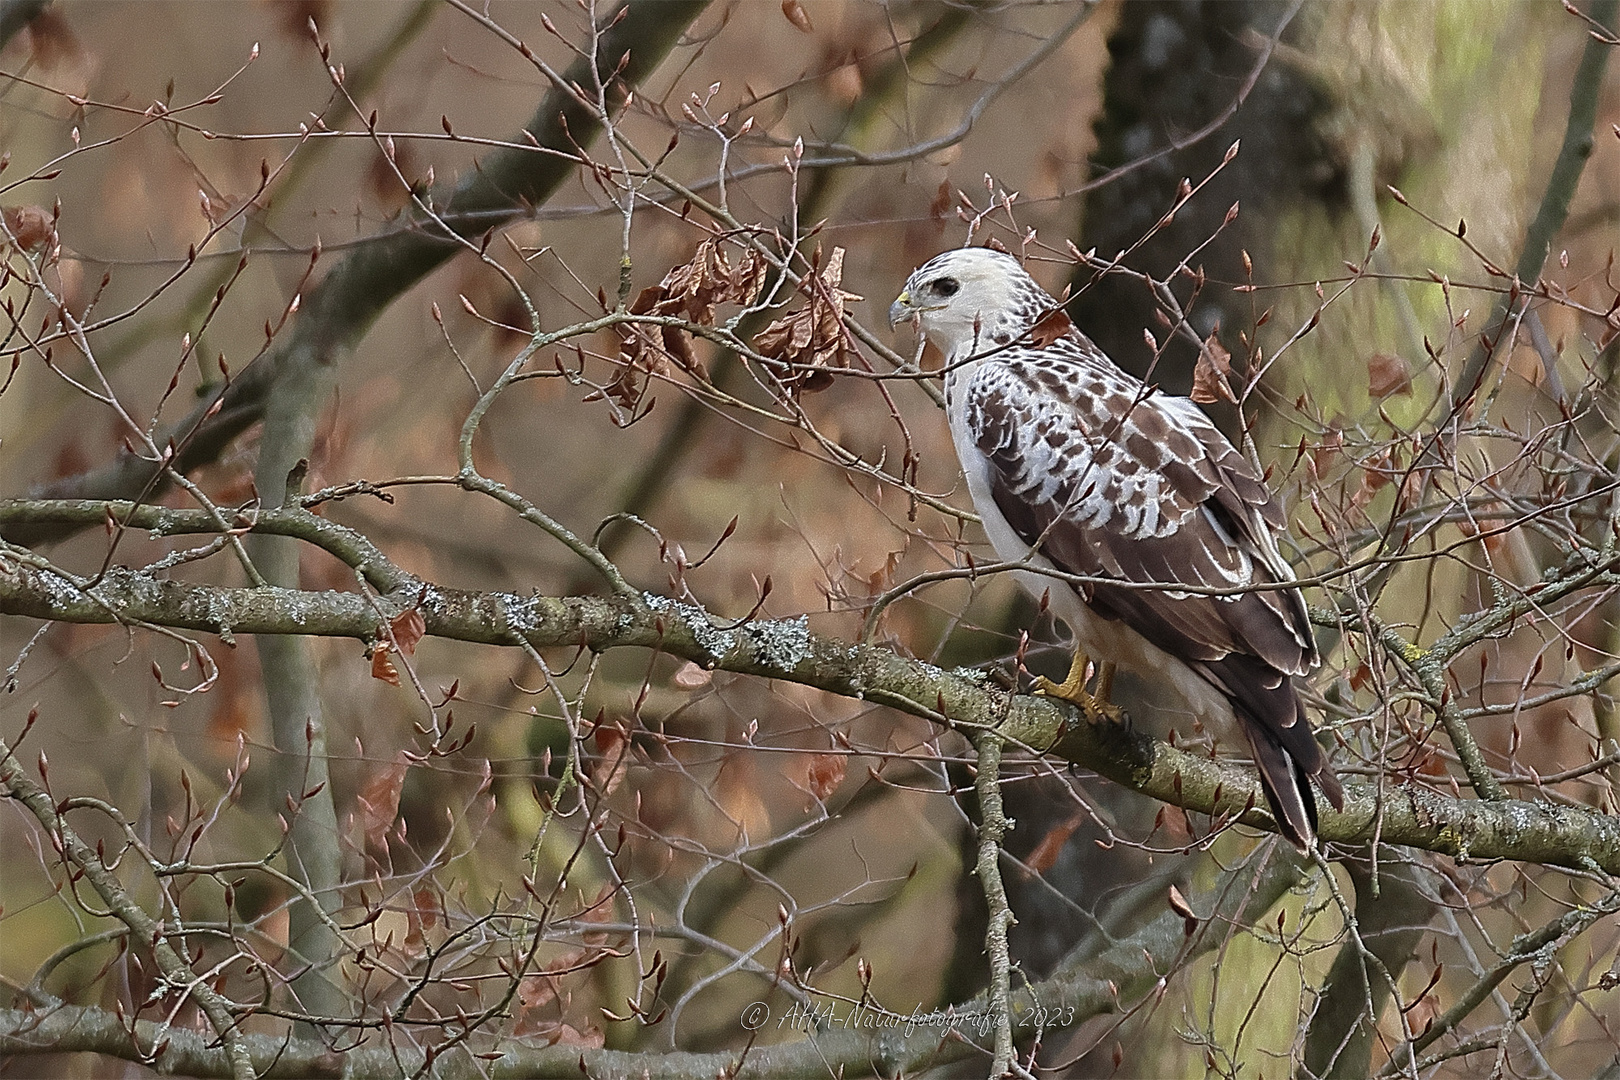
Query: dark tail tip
(1288,791)
(1330,786)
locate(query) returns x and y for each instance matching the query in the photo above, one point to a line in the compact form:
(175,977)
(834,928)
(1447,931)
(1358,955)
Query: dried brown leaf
(879,581)
(693,288)
(612,746)
(1327,450)
(420,917)
(692,677)
(29,226)
(823,774)
(811,340)
(749,277)
(533,992)
(638,357)
(378,799)
(1050,327)
(408,627)
(382,667)
(1045,855)
(689,289)
(428,908)
(1388,374)
(648,299)
(1179,905)
(1210,373)
(1375,476)
(678,346)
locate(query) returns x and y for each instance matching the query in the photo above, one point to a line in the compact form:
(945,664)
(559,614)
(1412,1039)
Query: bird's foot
(1095,705)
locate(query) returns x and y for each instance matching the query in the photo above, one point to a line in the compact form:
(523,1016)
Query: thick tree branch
(774,649)
(993,826)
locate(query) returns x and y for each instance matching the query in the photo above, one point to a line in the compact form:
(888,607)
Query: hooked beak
(900,310)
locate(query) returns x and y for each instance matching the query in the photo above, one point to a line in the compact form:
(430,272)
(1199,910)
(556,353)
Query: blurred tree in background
(482,593)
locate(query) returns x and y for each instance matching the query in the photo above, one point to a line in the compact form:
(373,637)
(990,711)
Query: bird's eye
(945,286)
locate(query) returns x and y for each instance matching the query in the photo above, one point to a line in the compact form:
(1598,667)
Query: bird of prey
(1080,469)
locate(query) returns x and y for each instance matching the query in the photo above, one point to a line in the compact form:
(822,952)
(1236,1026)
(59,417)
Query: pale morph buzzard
(1076,466)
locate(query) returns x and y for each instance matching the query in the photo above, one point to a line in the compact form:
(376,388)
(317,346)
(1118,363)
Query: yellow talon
(1073,688)
(1097,705)
(1105,687)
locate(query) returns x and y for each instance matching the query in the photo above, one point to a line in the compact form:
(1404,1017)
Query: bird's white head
(971,300)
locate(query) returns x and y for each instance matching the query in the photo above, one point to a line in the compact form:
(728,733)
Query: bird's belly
(1176,694)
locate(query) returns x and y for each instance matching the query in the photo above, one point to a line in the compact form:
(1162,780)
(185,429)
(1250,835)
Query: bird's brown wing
(1145,494)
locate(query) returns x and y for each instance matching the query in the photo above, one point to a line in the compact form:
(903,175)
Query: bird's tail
(1285,776)
(1287,788)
